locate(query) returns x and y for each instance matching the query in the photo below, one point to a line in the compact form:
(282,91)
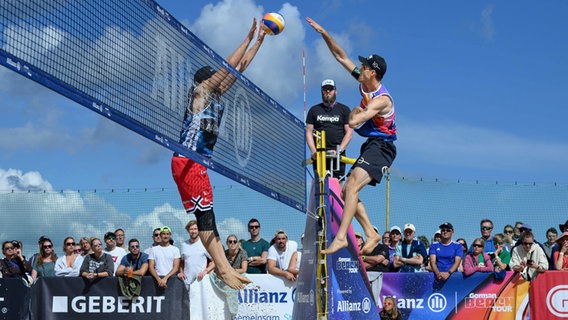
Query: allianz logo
(349,306)
(106,304)
(436,302)
(260,296)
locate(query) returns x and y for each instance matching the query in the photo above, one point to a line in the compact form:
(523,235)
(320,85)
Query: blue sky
(479,89)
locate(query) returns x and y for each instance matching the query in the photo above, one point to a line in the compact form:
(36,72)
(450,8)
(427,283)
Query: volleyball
(273,23)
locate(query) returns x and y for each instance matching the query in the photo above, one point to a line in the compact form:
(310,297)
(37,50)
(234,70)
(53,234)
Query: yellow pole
(321,272)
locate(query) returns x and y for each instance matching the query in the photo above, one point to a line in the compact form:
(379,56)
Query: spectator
(115,252)
(508,232)
(359,239)
(13,265)
(437,236)
(35,255)
(77,249)
(410,253)
(562,227)
(528,259)
(155,240)
(465,250)
(426,243)
(386,238)
(446,255)
(256,248)
(85,246)
(502,257)
(280,256)
(97,264)
(119,234)
(164,260)
(70,263)
(395,238)
(486,227)
(44,264)
(378,259)
(561,255)
(478,260)
(133,263)
(551,235)
(18,249)
(237,257)
(390,311)
(194,257)
(333,118)
(517,231)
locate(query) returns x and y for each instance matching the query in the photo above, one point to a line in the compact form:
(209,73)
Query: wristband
(356,73)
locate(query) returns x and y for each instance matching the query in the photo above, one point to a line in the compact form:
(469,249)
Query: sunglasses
(134,246)
(509,231)
(110,237)
(70,243)
(156,235)
(232,241)
(388,303)
(328,88)
(77,251)
(254,227)
(446,230)
(8,248)
(49,246)
(528,243)
(486,228)
(499,243)
(477,245)
(97,244)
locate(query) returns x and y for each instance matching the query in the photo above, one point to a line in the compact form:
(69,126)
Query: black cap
(203,74)
(376,63)
(563,226)
(446,225)
(42,239)
(109,234)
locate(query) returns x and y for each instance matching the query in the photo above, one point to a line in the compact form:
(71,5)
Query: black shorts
(375,154)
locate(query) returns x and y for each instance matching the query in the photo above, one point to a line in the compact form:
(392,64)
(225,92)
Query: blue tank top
(200,130)
(378,126)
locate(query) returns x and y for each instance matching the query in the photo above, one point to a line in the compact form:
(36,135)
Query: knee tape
(206,221)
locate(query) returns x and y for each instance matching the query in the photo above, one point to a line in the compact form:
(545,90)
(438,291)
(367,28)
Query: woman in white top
(69,264)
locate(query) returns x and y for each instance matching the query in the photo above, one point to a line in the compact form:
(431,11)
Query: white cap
(410,226)
(397,228)
(328,82)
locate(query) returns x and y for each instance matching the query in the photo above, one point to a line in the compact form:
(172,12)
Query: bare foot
(335,245)
(371,243)
(232,278)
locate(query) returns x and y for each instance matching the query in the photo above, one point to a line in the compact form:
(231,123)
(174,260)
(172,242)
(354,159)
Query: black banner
(14,299)
(55,298)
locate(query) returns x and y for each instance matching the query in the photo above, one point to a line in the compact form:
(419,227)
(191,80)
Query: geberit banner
(77,298)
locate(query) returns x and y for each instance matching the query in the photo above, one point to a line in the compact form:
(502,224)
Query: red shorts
(193,184)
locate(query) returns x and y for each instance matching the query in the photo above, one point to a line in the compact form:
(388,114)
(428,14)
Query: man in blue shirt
(446,255)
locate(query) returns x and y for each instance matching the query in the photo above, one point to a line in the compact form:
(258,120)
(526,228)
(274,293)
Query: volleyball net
(133,63)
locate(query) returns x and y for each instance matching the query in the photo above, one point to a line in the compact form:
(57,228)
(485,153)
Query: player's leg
(372,237)
(212,243)
(356,181)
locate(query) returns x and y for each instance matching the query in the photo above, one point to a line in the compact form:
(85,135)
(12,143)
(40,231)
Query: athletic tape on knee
(206,221)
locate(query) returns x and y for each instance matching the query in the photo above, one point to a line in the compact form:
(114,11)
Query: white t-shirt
(164,258)
(195,258)
(283,258)
(116,255)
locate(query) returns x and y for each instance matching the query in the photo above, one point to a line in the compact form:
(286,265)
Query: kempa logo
(107,304)
(242,127)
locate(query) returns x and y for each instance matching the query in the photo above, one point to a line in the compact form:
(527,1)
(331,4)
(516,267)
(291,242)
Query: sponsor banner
(479,296)
(14,299)
(549,296)
(267,297)
(75,298)
(350,295)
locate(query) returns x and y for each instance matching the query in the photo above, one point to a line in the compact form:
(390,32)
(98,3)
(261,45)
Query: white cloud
(16,180)
(487,27)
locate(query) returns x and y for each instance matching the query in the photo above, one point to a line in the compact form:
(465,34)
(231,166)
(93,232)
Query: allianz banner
(77,298)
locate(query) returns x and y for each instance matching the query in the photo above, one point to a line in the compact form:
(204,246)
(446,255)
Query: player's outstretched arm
(333,46)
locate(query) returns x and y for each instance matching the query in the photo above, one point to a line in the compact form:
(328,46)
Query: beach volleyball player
(373,119)
(199,133)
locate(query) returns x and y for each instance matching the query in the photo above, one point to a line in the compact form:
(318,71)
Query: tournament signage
(76,298)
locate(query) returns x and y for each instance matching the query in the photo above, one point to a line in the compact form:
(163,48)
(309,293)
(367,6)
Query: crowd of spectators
(401,250)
